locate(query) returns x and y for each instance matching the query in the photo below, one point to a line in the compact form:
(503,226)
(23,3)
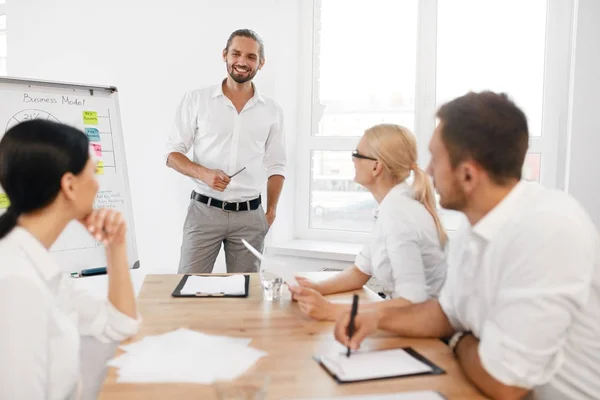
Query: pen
(352,316)
(89,272)
(231,176)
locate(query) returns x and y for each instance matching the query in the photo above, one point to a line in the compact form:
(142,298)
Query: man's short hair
(488,128)
(249,33)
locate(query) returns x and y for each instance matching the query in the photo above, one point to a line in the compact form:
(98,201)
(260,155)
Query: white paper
(232,285)
(375,364)
(185,356)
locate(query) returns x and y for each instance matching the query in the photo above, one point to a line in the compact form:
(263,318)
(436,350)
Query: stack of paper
(232,285)
(185,356)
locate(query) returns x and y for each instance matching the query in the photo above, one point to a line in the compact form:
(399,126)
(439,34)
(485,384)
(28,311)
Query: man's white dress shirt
(404,250)
(526,281)
(42,318)
(223,139)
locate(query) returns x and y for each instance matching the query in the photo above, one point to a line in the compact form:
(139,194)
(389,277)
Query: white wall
(154,51)
(583,169)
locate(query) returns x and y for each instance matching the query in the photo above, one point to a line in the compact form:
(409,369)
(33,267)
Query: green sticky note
(90,118)
(4,202)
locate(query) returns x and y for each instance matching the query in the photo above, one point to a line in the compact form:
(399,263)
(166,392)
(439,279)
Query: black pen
(351,324)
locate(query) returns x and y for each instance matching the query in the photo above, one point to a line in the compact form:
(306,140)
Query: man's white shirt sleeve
(181,137)
(275,157)
(522,338)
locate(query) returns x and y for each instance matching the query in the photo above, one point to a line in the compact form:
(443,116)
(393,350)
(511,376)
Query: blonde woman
(406,247)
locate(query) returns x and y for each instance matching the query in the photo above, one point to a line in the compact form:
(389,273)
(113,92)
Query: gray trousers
(207,227)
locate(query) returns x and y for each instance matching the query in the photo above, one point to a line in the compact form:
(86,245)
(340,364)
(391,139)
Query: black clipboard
(177,291)
(435,370)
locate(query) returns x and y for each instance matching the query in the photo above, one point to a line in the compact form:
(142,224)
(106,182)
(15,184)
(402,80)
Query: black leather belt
(226,206)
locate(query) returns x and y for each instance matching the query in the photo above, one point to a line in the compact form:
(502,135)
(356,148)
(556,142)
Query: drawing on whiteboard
(28,114)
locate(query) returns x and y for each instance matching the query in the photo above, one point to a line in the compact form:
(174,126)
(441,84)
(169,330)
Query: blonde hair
(396,148)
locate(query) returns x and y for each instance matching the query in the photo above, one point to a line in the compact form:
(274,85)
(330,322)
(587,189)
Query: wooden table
(289,338)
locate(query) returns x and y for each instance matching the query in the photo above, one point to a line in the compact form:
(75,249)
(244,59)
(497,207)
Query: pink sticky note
(97,149)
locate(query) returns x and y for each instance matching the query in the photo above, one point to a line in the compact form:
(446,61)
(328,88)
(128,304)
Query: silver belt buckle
(223,205)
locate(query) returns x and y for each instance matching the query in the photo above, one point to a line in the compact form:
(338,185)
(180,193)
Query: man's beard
(241,78)
(455,200)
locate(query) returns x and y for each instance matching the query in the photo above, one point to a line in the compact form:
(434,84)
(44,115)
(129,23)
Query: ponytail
(423,192)
(8,221)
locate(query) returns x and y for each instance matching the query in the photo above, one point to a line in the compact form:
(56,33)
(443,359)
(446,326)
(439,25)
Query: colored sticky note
(90,118)
(100,168)
(4,202)
(97,149)
(93,134)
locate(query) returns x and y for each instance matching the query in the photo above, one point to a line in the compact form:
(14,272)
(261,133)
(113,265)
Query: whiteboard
(94,110)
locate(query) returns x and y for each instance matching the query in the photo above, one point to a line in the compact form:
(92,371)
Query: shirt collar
(401,189)
(219,92)
(39,255)
(492,222)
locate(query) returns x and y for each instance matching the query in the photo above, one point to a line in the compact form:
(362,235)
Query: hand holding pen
(351,326)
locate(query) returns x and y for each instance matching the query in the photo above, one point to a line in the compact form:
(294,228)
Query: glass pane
(494,44)
(336,201)
(365,65)
(532,166)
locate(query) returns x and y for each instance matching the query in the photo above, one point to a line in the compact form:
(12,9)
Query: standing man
(232,128)
(522,298)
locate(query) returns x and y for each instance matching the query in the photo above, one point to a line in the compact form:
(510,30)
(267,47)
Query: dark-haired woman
(48,174)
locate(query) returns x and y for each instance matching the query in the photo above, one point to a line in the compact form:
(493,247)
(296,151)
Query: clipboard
(435,370)
(181,284)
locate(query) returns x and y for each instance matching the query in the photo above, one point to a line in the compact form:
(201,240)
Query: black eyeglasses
(356,154)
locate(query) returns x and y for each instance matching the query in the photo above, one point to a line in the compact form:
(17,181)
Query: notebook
(381,364)
(212,286)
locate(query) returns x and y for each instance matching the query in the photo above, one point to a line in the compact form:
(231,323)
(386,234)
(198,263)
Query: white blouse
(42,318)
(404,250)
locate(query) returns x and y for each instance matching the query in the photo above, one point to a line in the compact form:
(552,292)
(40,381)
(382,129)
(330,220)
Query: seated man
(522,297)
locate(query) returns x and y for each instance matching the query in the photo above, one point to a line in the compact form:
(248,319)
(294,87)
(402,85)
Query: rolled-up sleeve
(100,319)
(181,137)
(446,303)
(363,260)
(275,157)
(522,339)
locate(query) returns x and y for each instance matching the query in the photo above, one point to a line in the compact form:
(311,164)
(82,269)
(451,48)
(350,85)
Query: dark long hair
(34,156)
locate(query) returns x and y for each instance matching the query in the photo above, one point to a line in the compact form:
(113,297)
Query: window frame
(551,145)
(4,31)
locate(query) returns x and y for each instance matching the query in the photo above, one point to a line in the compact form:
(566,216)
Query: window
(398,61)
(2,39)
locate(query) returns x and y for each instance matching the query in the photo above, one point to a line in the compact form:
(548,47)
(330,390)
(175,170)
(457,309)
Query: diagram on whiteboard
(98,128)
(28,114)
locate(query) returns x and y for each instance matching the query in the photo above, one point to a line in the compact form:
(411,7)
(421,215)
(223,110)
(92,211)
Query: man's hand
(270,215)
(365,324)
(107,226)
(216,179)
(313,304)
